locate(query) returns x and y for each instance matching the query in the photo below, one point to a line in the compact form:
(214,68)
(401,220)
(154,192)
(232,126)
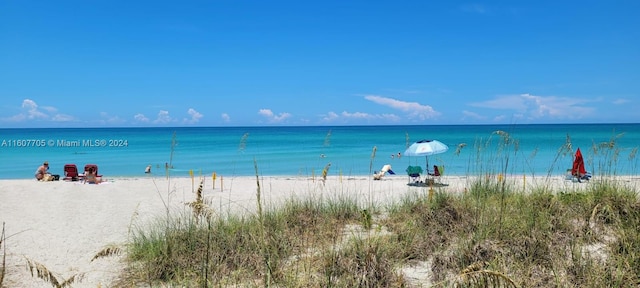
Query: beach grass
(238,246)
(493,234)
(541,238)
(3,250)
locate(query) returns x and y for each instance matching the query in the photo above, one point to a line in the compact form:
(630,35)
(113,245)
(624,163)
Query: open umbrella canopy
(426,148)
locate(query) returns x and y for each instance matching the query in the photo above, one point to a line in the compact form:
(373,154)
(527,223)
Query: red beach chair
(71,172)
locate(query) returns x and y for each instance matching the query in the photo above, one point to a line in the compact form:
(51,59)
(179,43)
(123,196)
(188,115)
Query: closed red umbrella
(578,165)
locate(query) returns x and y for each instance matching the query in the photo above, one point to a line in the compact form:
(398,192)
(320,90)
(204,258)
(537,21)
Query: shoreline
(397,174)
(62,225)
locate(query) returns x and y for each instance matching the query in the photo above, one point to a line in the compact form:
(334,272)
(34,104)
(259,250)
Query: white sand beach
(62,225)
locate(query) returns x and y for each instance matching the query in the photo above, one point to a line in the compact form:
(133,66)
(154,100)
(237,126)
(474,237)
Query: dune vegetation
(488,236)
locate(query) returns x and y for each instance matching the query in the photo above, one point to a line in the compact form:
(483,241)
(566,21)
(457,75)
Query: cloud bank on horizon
(523,108)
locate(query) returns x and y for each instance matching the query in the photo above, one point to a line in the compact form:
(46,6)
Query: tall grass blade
(327,139)
(325,172)
(3,266)
(243,142)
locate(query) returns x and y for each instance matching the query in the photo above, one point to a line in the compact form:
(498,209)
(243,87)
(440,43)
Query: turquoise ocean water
(305,151)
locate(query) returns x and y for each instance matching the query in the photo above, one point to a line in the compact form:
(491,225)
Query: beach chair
(437,173)
(95,167)
(71,172)
(414,174)
(385,169)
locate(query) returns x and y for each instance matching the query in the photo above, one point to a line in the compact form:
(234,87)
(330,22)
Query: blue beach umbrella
(426,148)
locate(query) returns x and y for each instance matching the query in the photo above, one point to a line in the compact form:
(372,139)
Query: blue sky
(255,63)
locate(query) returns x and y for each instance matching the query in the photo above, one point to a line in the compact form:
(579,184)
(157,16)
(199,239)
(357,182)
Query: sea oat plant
(43,273)
(476,275)
(3,248)
(325,172)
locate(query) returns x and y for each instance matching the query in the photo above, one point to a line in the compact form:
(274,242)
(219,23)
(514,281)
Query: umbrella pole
(427,170)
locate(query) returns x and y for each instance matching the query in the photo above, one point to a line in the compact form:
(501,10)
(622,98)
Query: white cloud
(108,119)
(390,117)
(32,111)
(49,109)
(15,118)
(195,116)
(536,107)
(472,115)
(414,109)
(62,118)
(266,112)
(344,116)
(621,101)
(273,118)
(163,117)
(330,116)
(140,118)
(356,115)
(225,117)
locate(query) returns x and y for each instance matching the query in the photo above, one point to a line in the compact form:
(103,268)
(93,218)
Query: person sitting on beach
(91,178)
(42,171)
